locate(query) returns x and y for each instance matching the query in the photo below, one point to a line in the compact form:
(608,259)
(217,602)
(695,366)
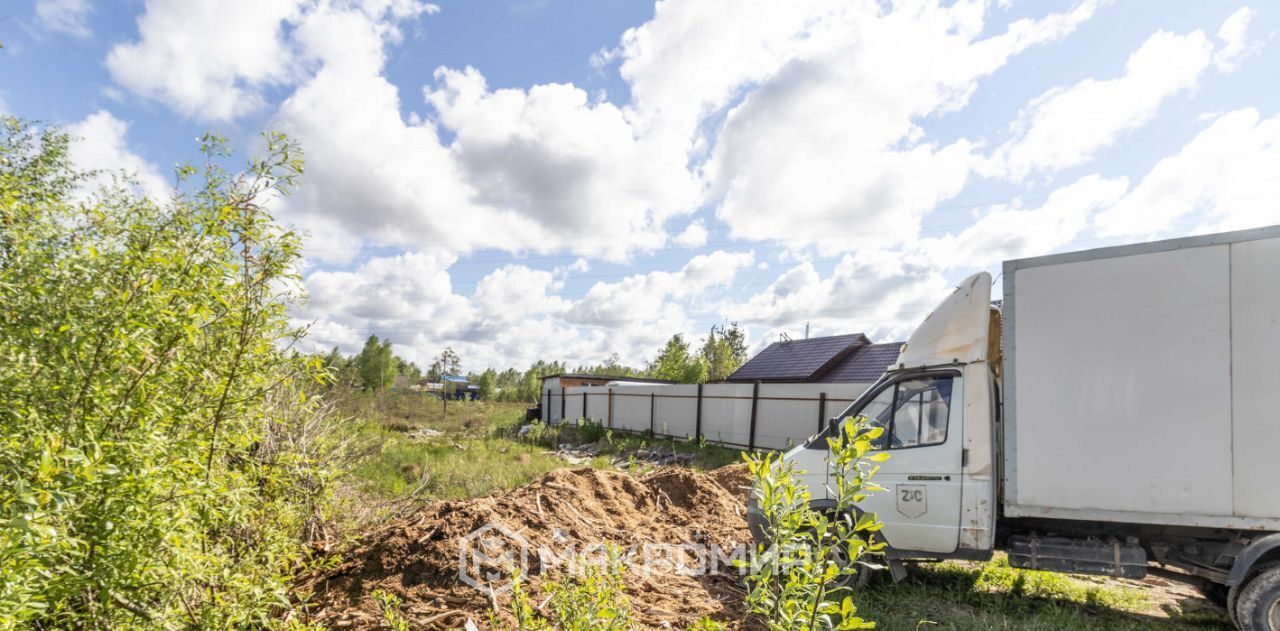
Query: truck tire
(863,573)
(861,577)
(1233,594)
(1257,607)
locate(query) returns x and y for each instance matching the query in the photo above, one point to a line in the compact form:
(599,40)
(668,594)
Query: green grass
(449,466)
(468,459)
(406,410)
(477,452)
(970,596)
(619,444)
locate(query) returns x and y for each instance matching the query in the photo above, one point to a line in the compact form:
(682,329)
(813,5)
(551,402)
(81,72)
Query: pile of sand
(417,558)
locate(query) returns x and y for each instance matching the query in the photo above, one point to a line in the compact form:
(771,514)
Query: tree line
(377,367)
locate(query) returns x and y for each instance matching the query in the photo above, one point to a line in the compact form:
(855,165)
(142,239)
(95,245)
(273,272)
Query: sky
(570,179)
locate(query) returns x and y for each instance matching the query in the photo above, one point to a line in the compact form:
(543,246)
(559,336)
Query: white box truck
(1119,408)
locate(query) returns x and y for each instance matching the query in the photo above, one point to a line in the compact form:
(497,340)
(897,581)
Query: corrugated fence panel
(783,420)
(598,404)
(727,420)
(631,407)
(676,411)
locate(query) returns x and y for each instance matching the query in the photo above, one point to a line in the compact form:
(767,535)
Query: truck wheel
(862,573)
(1233,594)
(1258,605)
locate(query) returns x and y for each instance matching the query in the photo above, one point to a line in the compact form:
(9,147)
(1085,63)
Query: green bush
(160,464)
(591,599)
(801,580)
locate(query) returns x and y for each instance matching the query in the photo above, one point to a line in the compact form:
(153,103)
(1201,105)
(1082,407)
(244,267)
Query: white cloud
(404,298)
(570,167)
(65,16)
(511,292)
(693,236)
(1235,46)
(882,293)
(219,74)
(408,288)
(1011,231)
(826,148)
(578,266)
(99,144)
(203,72)
(1223,179)
(515,314)
(645,297)
(1065,126)
(543,169)
(371,176)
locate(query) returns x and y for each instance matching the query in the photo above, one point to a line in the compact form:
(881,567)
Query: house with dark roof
(851,358)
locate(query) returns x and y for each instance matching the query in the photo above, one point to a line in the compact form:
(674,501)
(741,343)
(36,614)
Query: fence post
(652,399)
(755,404)
(697,426)
(546,408)
(822,411)
(584,405)
(610,408)
(562,400)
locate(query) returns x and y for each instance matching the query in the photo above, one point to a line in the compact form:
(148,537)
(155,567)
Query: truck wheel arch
(1260,550)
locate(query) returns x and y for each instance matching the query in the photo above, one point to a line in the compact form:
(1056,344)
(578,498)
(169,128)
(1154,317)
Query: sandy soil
(417,558)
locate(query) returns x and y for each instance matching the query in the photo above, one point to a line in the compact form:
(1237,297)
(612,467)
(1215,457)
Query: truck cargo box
(1142,383)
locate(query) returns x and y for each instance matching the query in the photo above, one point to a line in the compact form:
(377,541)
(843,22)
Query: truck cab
(937,408)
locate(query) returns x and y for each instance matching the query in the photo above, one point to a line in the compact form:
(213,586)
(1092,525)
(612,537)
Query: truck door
(921,415)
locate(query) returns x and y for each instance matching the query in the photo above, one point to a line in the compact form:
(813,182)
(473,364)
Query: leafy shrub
(591,599)
(160,464)
(536,432)
(390,605)
(801,581)
(589,431)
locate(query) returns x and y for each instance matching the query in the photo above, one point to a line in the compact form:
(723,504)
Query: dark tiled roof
(864,365)
(798,360)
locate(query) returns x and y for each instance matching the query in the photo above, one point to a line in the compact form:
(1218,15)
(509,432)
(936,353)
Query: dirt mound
(671,524)
(735,478)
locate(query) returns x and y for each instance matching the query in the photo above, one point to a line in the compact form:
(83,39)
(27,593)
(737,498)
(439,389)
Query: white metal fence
(743,415)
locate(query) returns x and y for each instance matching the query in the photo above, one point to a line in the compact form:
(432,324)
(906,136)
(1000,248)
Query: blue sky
(566,180)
